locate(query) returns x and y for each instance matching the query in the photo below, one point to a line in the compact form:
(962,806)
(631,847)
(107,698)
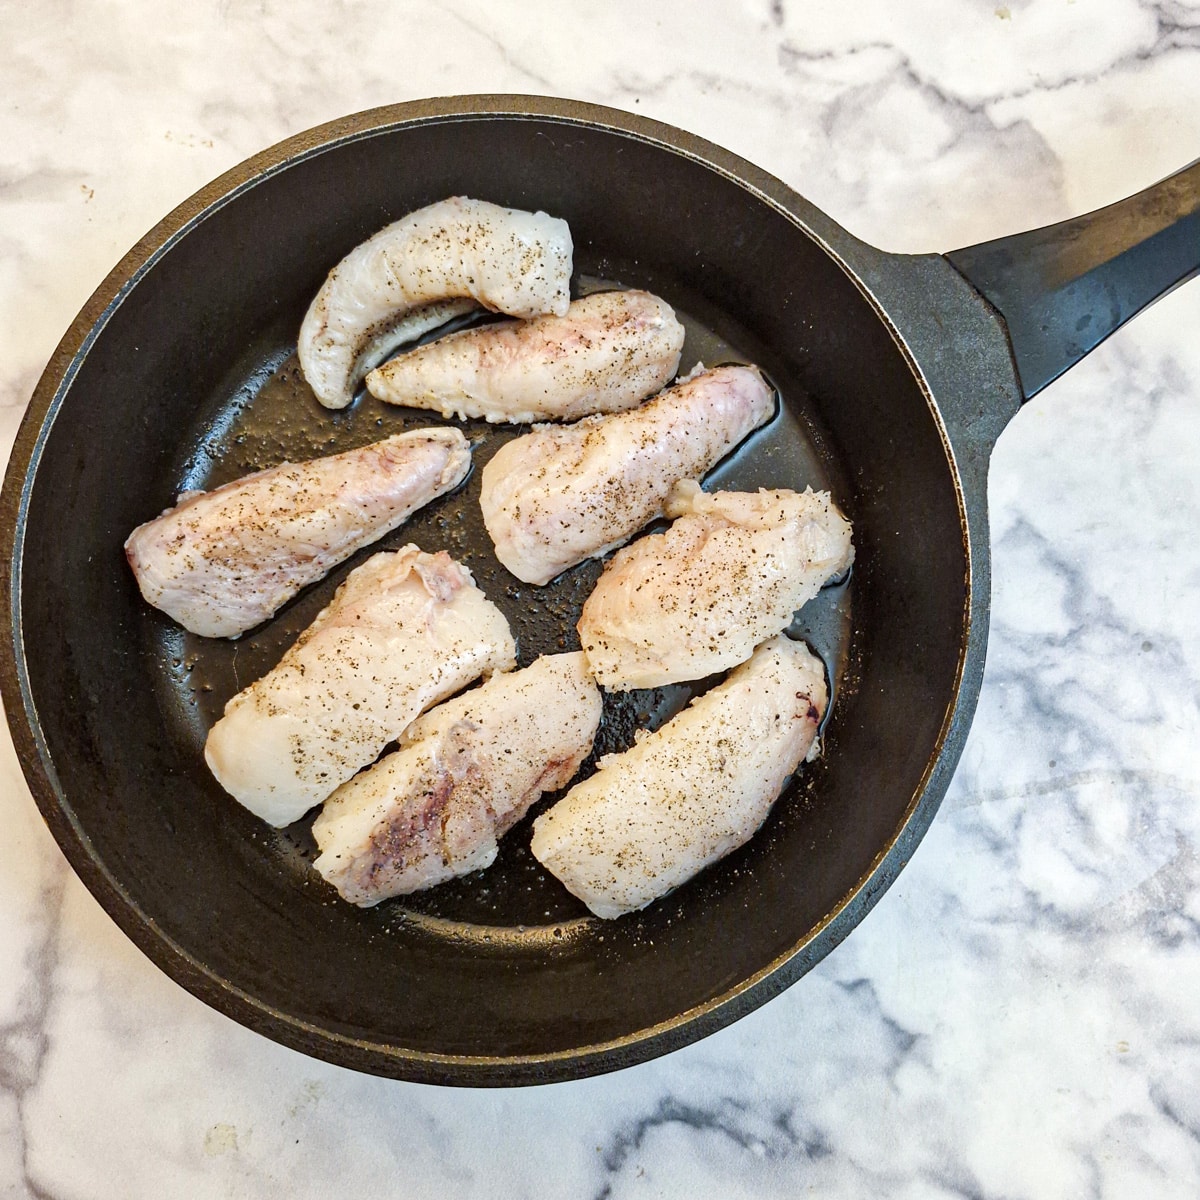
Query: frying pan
(896,374)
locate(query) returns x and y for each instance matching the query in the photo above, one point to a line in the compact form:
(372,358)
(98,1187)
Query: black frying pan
(896,374)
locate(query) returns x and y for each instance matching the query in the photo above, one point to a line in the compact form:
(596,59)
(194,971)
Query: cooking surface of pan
(181,373)
(262,419)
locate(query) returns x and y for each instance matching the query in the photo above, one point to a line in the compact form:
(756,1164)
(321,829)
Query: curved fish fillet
(452,254)
(466,772)
(405,630)
(692,791)
(563,494)
(221,562)
(610,351)
(696,599)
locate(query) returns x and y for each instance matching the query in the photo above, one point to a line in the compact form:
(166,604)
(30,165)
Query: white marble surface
(1020,1016)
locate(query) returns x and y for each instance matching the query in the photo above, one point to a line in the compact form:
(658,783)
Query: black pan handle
(1064,288)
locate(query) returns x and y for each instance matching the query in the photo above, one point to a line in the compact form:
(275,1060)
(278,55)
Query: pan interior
(193,381)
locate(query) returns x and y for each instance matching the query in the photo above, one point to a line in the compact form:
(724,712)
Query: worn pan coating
(895,376)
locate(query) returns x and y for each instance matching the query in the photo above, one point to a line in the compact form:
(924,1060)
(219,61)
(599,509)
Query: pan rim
(36,757)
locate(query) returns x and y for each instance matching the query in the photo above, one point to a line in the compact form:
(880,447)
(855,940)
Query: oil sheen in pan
(265,414)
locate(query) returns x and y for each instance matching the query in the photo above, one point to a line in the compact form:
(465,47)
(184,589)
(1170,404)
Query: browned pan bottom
(264,413)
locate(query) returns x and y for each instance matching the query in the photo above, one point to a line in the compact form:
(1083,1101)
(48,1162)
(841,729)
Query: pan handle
(1064,288)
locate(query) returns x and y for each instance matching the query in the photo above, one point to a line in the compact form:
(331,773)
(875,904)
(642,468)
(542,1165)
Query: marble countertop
(1020,1015)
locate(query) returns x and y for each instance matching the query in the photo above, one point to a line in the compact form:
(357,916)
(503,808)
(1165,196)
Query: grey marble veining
(1020,1015)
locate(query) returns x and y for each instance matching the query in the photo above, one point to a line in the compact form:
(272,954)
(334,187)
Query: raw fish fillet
(405,630)
(450,255)
(609,352)
(221,562)
(563,494)
(466,772)
(692,791)
(730,572)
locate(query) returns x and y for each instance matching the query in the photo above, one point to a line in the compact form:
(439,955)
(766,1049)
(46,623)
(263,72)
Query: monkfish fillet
(450,255)
(466,772)
(405,630)
(610,351)
(221,562)
(692,791)
(730,572)
(563,494)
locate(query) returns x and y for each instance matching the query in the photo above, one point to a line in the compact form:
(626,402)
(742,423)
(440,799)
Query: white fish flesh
(728,574)
(453,255)
(465,773)
(221,562)
(609,352)
(565,493)
(404,631)
(691,792)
